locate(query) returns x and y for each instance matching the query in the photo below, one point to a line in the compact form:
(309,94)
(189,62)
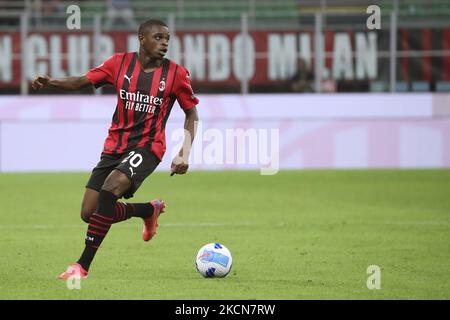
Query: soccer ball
(214,260)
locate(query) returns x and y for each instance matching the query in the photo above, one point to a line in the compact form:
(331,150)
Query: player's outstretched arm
(68,83)
(180,164)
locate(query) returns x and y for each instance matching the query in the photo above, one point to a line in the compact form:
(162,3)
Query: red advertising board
(216,58)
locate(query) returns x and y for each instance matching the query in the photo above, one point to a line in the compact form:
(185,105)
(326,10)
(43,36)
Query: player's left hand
(41,81)
(179,166)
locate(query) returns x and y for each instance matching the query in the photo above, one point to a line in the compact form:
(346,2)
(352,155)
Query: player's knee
(87,210)
(86,215)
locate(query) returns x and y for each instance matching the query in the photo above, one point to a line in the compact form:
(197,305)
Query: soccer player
(147,86)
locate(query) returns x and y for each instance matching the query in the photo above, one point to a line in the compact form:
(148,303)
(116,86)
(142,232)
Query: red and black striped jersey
(144,101)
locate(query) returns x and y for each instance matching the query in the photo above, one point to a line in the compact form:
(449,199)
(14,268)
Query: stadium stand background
(422,55)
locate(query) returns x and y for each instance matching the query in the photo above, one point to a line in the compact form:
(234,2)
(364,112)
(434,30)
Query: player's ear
(141,39)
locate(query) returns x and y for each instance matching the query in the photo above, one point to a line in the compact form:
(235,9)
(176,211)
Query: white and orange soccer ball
(214,260)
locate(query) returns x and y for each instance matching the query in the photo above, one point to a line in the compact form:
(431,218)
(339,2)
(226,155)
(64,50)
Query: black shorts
(136,165)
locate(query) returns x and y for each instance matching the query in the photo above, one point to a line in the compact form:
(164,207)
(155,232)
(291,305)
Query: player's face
(156,41)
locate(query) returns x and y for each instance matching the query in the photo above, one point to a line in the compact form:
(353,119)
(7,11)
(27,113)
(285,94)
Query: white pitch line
(166,225)
(419,223)
(209,225)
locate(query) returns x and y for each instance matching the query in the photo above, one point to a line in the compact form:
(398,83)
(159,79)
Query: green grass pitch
(294,235)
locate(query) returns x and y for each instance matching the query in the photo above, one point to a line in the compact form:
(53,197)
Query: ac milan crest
(162,85)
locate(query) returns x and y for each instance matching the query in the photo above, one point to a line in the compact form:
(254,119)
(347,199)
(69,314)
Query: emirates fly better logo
(138,101)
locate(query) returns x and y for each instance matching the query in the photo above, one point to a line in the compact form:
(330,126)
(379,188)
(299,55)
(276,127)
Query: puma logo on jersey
(129,79)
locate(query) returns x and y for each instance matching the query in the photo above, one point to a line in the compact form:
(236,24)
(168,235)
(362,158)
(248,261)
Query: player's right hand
(179,166)
(40,82)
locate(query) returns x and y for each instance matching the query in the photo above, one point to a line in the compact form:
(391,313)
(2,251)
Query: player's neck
(148,63)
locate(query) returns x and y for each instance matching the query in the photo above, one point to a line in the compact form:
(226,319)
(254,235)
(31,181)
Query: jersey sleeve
(183,90)
(104,73)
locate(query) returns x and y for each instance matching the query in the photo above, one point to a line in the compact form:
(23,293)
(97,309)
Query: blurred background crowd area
(410,52)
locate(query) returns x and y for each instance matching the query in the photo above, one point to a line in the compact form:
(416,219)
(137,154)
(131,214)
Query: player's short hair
(145,26)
